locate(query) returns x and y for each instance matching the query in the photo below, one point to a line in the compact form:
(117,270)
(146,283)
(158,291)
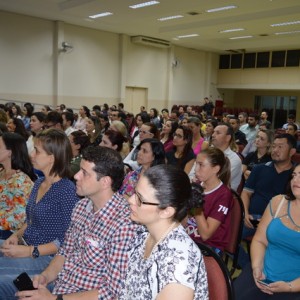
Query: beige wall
(98,69)
(103,64)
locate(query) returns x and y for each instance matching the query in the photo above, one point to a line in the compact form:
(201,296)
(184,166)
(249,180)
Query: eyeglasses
(141,201)
(177,135)
(145,131)
(49,125)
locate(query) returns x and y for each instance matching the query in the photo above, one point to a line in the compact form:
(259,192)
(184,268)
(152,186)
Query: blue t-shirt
(265,183)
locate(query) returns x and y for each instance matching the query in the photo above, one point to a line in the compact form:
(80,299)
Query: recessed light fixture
(104,14)
(287,32)
(221,8)
(144,4)
(187,36)
(285,23)
(231,30)
(241,37)
(170,18)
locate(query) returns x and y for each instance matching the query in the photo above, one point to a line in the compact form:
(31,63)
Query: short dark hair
(290,139)
(56,143)
(54,117)
(40,116)
(157,150)
(253,115)
(19,154)
(80,138)
(172,188)
(116,138)
(108,162)
(69,116)
(144,116)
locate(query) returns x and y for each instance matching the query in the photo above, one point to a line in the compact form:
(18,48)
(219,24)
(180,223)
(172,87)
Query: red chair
(236,229)
(219,280)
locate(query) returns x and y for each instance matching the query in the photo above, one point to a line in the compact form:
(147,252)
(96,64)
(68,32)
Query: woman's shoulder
(276,202)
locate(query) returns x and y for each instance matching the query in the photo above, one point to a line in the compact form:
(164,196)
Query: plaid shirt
(96,249)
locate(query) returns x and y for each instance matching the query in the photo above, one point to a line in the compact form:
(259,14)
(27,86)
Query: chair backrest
(236,228)
(219,280)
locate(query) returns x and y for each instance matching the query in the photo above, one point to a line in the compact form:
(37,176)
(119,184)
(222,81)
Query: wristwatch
(35,252)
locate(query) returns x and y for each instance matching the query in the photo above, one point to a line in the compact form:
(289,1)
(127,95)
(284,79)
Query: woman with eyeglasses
(263,142)
(150,153)
(168,130)
(147,130)
(210,224)
(164,263)
(182,154)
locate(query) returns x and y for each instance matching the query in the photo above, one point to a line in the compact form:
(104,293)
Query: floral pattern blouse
(130,182)
(177,259)
(14,194)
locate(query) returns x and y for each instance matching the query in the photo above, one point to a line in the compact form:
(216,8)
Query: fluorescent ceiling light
(187,36)
(221,8)
(104,14)
(140,5)
(241,37)
(287,32)
(285,23)
(170,18)
(231,30)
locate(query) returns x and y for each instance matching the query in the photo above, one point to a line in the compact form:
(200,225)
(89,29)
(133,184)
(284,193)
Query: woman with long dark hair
(16,182)
(182,154)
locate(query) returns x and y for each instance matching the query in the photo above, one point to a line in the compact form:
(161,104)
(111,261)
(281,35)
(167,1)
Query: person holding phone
(48,212)
(274,272)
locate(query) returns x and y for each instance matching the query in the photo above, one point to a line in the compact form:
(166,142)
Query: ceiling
(255,16)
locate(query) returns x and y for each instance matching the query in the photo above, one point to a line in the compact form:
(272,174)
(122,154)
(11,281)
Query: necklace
(169,229)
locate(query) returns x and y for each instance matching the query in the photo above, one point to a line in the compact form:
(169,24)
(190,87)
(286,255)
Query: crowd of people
(107,205)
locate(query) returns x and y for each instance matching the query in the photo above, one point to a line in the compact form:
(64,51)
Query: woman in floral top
(150,153)
(164,263)
(16,181)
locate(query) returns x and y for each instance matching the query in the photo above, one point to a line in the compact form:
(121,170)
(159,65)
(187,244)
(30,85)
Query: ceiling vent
(149,41)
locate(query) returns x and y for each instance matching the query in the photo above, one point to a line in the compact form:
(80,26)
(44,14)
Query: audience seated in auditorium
(92,262)
(16,182)
(164,262)
(275,251)
(182,155)
(223,138)
(262,154)
(48,213)
(150,153)
(210,224)
(166,136)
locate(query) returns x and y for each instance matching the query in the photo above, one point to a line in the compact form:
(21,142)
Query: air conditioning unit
(149,41)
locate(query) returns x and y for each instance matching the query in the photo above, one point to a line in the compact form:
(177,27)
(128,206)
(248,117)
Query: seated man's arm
(246,198)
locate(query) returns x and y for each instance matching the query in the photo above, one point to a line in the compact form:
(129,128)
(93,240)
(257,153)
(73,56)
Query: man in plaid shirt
(92,262)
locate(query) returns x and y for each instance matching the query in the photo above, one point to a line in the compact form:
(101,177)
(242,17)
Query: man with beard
(251,129)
